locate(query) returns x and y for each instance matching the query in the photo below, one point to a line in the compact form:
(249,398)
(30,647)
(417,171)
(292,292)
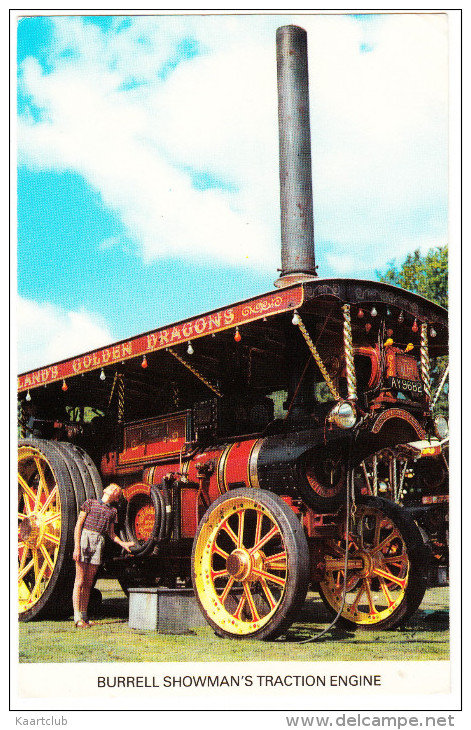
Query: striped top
(99,516)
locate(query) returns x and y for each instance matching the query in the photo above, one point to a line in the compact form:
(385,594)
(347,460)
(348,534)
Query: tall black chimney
(297,220)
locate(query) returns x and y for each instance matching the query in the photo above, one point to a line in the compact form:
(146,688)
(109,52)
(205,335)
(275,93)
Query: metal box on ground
(167,610)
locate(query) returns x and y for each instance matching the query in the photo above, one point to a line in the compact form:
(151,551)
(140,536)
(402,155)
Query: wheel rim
(377,569)
(39,526)
(243,566)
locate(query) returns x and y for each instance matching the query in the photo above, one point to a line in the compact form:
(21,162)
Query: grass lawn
(426,637)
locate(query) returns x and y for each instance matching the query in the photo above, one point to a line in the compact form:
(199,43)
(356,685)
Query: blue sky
(148,163)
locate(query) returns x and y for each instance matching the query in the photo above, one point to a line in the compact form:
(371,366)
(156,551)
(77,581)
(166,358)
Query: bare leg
(77,592)
(88,579)
(84,578)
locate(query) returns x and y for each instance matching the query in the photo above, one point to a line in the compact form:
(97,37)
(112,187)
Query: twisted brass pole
(348,348)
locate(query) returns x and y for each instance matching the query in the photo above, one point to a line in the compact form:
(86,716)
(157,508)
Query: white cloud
(378,132)
(49,334)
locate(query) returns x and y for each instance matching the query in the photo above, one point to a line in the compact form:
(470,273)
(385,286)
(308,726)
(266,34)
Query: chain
(353,508)
(375,475)
(317,357)
(176,399)
(195,372)
(112,389)
(21,419)
(425,361)
(120,398)
(393,476)
(351,490)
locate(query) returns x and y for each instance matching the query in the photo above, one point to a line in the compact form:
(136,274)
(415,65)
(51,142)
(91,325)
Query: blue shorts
(91,547)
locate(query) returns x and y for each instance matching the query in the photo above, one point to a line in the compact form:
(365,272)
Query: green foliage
(423,274)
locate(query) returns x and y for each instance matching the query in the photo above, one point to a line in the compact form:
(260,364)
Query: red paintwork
(217,321)
(235,469)
(190,516)
(373,354)
(155,439)
(400,365)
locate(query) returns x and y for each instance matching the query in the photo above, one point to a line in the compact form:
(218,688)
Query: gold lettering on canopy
(236,315)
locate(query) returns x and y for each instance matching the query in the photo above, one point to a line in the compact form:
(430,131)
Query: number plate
(413,387)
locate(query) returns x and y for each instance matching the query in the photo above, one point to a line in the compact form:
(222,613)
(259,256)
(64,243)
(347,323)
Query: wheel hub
(368,563)
(239,564)
(31,531)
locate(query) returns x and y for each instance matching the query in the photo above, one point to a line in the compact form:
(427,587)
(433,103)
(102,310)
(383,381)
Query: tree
(423,274)
(426,275)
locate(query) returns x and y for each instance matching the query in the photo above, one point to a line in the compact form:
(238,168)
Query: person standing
(96,520)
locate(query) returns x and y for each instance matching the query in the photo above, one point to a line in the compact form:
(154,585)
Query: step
(166,610)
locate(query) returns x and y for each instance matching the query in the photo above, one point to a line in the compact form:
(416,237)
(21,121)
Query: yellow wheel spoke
(276,562)
(393,534)
(52,538)
(386,592)
(263,541)
(47,557)
(42,480)
(23,556)
(240,536)
(268,576)
(351,581)
(28,494)
(226,590)
(37,586)
(52,518)
(268,593)
(25,570)
(52,495)
(390,577)
(227,528)
(258,527)
(239,608)
(369,596)
(220,551)
(219,574)
(36,562)
(397,560)
(355,603)
(251,604)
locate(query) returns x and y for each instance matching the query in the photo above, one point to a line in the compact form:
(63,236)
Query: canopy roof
(157,360)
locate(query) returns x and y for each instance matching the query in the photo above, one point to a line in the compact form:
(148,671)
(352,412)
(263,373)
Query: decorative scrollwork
(261,307)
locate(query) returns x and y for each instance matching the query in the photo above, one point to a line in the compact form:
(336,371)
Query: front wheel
(250,565)
(387,568)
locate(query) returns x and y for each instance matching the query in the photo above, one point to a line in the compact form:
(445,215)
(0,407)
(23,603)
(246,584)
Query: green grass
(425,637)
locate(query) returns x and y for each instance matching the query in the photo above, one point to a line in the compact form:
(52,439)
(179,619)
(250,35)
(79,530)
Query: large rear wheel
(250,565)
(53,482)
(387,567)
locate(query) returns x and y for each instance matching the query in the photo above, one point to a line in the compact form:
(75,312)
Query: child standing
(96,520)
